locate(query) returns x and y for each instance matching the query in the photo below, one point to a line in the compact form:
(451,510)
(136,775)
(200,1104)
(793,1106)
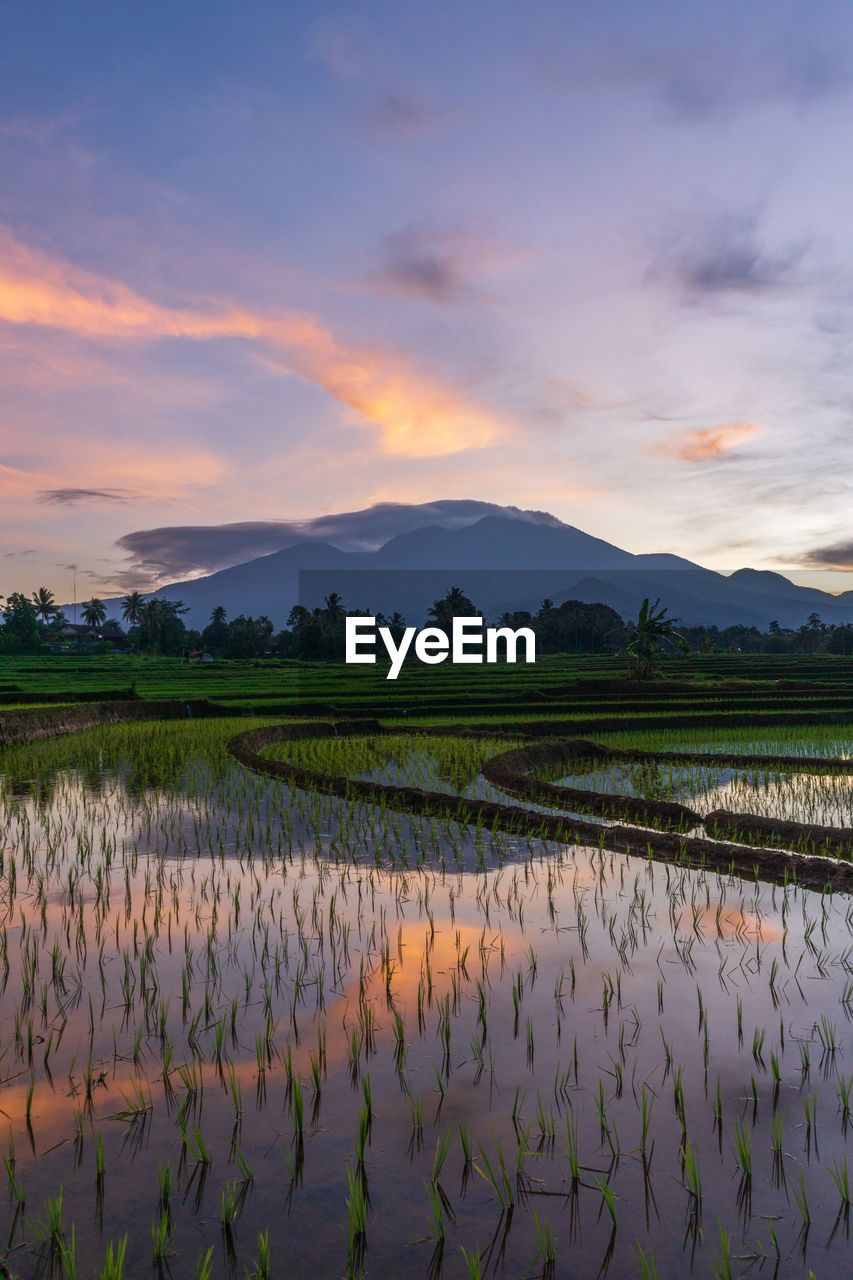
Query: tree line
(157,627)
(32,622)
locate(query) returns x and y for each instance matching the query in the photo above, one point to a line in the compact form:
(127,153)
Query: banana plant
(649,633)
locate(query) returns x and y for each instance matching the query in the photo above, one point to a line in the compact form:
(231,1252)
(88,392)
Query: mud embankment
(807,837)
(514,772)
(772,865)
(30,724)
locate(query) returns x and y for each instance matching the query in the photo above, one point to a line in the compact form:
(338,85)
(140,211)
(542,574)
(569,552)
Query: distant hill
(505,559)
(186,551)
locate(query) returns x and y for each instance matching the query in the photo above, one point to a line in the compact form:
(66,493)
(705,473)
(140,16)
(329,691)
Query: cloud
(421,262)
(838,555)
(442,264)
(707,443)
(401,116)
(195,549)
(70,497)
(725,255)
(417,415)
(705,83)
(129,473)
(698,81)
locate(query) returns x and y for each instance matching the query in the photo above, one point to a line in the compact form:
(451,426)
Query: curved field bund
(512,772)
(30,724)
(733,842)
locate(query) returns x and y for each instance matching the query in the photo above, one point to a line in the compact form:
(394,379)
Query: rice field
(253,1031)
(795,797)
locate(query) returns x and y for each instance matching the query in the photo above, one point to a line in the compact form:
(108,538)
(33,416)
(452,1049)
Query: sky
(278,261)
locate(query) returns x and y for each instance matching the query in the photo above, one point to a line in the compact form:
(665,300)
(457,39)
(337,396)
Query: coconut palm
(454,605)
(94,612)
(331,619)
(45,604)
(218,616)
(334,609)
(131,607)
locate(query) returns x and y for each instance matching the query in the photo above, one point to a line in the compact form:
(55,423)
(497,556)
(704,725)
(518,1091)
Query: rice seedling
(801,1201)
(161,1234)
(496,1176)
(297,1108)
(805,1060)
(473,1264)
(841,1181)
(356,1221)
(16,1186)
(647,1104)
(547,1250)
(648,1267)
(608,1198)
(722,1262)
(262,1269)
(743,1148)
(217,908)
(204,1266)
(113,1267)
(436,1215)
(692,1174)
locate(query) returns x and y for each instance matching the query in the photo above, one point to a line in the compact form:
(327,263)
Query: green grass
(554,684)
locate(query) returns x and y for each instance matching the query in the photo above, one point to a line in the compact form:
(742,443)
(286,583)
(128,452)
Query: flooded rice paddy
(247,1031)
(825,800)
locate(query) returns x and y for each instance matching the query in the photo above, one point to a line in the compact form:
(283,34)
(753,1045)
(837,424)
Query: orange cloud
(711,442)
(417,416)
(171,472)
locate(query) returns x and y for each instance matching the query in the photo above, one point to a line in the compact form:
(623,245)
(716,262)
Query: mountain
(506,559)
(187,551)
(501,542)
(763,582)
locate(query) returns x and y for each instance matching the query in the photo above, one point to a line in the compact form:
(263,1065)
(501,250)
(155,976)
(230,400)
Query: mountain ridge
(502,557)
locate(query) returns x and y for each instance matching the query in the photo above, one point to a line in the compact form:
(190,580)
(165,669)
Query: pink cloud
(417,415)
(708,442)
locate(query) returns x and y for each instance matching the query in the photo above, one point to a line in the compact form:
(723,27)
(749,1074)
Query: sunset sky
(269,261)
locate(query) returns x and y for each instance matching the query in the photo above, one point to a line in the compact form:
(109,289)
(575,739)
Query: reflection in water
(289,1003)
(824,799)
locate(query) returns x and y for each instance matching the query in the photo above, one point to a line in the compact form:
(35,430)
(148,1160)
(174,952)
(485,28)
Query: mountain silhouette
(506,559)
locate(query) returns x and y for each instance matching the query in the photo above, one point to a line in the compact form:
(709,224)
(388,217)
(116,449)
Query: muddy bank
(616,724)
(30,724)
(806,836)
(752,863)
(776,764)
(80,695)
(513,772)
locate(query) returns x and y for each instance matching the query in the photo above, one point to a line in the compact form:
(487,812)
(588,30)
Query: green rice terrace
(529,971)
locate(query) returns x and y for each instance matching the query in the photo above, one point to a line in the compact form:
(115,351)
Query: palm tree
(331,620)
(652,627)
(334,609)
(94,612)
(45,604)
(454,605)
(131,607)
(218,616)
